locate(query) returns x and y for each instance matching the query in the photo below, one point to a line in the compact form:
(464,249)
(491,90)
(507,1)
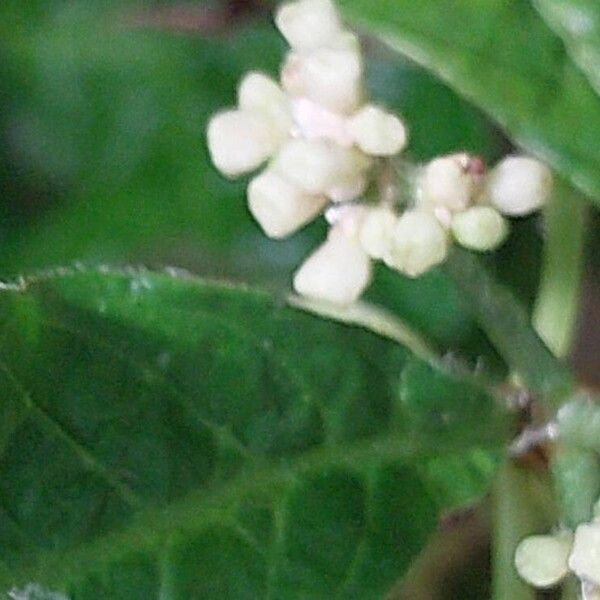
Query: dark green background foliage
(164,436)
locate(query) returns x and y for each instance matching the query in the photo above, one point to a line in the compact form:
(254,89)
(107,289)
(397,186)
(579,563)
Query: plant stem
(522,506)
(373,318)
(575,471)
(508,327)
(516,512)
(555,312)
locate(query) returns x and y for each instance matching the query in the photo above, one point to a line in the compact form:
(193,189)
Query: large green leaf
(577,22)
(168,436)
(500,55)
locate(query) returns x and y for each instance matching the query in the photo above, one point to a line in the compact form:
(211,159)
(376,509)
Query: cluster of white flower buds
(327,149)
(545,560)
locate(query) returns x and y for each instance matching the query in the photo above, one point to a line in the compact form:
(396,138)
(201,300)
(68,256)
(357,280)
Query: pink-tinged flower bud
(280,207)
(313,121)
(447,182)
(338,271)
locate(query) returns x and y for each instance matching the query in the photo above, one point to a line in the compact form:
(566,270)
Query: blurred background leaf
(577,22)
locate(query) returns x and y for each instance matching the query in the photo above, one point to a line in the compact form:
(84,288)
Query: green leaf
(577,22)
(168,436)
(501,56)
(447,408)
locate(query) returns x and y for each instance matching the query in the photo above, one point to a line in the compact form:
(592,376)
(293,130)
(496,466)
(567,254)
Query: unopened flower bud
(329,76)
(480,228)
(239,141)
(377,132)
(279,206)
(313,121)
(589,591)
(419,242)
(258,92)
(584,560)
(447,182)
(518,185)
(338,271)
(318,165)
(542,560)
(376,231)
(350,190)
(308,24)
(346,218)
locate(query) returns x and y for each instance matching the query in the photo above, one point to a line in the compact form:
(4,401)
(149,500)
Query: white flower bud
(308,24)
(419,242)
(258,92)
(279,206)
(446,182)
(239,141)
(376,231)
(377,132)
(338,271)
(480,228)
(331,77)
(589,591)
(318,165)
(313,121)
(350,190)
(584,560)
(518,185)
(541,560)
(346,217)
